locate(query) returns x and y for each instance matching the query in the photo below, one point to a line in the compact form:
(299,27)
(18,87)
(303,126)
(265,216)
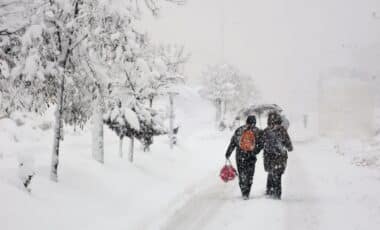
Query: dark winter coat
(235,142)
(246,161)
(277,143)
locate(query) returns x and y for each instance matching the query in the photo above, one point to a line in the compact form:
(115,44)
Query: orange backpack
(247,141)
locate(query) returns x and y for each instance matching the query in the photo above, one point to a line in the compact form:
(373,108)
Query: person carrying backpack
(247,140)
(277,143)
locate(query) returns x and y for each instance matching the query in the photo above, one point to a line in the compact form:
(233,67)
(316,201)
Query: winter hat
(274,119)
(251,120)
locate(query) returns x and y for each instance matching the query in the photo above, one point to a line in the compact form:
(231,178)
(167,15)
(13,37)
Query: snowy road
(199,209)
(180,189)
(321,191)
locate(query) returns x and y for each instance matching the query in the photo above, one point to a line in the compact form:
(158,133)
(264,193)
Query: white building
(347,102)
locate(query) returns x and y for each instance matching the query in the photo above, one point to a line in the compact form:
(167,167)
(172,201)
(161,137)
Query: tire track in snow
(300,209)
(298,205)
(199,209)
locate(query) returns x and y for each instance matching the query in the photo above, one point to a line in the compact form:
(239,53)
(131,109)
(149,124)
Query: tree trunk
(57,133)
(98,131)
(171,124)
(59,112)
(121,147)
(305,121)
(151,102)
(131,149)
(146,145)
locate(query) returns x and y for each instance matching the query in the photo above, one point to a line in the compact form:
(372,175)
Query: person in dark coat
(246,158)
(277,143)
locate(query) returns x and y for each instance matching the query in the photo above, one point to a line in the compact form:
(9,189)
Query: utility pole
(305,121)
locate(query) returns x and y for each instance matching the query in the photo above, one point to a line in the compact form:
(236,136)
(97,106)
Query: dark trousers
(246,169)
(274,184)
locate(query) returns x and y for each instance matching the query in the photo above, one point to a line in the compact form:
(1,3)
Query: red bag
(228,172)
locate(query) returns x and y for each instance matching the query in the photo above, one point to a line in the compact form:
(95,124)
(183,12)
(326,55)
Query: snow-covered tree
(145,72)
(125,123)
(53,56)
(228,89)
(71,54)
(14,18)
(114,40)
(140,122)
(134,94)
(133,66)
(166,64)
(49,69)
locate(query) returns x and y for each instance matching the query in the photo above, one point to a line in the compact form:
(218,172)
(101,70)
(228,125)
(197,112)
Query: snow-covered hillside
(179,188)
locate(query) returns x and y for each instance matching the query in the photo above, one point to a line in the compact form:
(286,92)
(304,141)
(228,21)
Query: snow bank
(116,195)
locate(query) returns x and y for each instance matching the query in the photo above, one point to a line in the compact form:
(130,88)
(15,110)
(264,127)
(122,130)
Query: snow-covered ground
(180,189)
(322,190)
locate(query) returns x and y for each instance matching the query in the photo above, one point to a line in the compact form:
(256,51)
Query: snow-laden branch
(6,32)
(155,5)
(76,44)
(13,3)
(17,15)
(178,2)
(7,58)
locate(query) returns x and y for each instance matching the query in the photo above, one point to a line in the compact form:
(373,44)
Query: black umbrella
(259,110)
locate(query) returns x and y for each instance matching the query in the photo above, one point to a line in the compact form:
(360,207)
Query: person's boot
(245,195)
(276,195)
(269,192)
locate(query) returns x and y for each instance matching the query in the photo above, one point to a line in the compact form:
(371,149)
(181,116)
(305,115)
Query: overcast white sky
(283,44)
